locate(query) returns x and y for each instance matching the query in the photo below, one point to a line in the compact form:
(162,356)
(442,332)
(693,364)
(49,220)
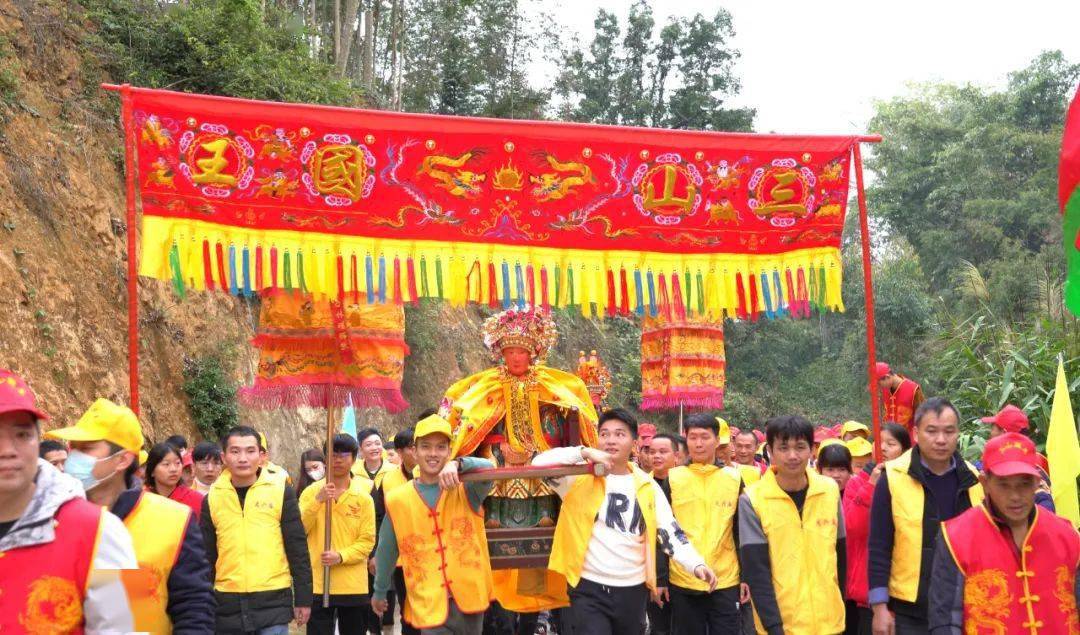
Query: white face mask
(317,473)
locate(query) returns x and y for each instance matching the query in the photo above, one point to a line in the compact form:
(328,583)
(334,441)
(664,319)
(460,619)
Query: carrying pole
(868,294)
(329,456)
(127,121)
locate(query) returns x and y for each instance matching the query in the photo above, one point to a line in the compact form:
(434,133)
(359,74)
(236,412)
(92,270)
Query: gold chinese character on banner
(210,168)
(339,170)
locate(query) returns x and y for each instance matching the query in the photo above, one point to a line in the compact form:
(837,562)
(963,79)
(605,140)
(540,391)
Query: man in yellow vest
(255,544)
(704,497)
(792,539)
(608,531)
(1008,565)
(171,588)
(917,491)
(744,455)
(352,537)
(435,526)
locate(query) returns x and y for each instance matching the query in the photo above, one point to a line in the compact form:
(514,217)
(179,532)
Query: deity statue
(510,413)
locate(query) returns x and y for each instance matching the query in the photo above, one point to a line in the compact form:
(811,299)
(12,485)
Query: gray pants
(458,623)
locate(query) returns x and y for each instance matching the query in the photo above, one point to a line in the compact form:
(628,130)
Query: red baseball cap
(646,432)
(16,396)
(1010,419)
(1010,454)
(820,434)
(881,369)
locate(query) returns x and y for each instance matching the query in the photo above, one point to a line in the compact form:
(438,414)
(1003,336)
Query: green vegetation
(211,393)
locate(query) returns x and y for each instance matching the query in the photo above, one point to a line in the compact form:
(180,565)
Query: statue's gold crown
(525,328)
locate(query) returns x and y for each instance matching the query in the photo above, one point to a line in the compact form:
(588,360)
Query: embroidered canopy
(244,196)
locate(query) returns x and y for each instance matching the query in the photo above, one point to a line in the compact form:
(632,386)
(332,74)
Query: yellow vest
(392,479)
(704,499)
(387,467)
(908,500)
(803,553)
(157,526)
(251,551)
(750,473)
(444,554)
(276,474)
(352,534)
(577,516)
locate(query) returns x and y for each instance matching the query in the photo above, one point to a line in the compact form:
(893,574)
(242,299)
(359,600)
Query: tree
(679,80)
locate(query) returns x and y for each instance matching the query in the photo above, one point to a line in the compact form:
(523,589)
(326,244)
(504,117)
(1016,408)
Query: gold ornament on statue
(596,376)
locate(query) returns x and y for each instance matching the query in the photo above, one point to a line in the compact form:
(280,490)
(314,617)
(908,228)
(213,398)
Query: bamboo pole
(329,503)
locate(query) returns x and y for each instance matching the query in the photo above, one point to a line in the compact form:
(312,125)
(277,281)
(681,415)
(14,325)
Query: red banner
(243,196)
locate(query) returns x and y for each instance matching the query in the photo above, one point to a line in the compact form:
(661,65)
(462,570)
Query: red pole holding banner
(868,293)
(132,270)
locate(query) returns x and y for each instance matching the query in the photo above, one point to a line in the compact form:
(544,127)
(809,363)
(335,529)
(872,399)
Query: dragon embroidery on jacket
(986,600)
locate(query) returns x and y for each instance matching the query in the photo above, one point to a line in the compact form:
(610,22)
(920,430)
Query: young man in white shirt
(607,533)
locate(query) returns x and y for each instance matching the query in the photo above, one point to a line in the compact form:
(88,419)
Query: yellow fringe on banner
(452,268)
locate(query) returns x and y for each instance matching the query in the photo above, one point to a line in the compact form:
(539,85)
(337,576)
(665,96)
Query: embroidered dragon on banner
(580,218)
(429,210)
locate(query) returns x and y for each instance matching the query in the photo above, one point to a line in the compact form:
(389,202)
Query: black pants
(499,621)
(697,613)
(597,609)
(399,590)
(858,620)
(372,622)
(659,618)
(908,625)
(350,619)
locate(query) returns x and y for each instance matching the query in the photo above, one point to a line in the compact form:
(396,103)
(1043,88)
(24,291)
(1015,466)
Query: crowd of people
(793,529)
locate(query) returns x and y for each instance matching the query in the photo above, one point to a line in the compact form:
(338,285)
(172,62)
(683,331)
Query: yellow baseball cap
(725,431)
(433,424)
(854,426)
(143,456)
(859,447)
(105,421)
(826,443)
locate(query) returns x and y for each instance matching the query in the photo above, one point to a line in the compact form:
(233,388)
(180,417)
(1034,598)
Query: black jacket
(191,598)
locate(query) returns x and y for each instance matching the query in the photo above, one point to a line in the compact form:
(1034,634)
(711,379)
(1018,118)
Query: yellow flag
(1063,451)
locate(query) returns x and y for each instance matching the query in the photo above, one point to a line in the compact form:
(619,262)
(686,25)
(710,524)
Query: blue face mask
(81,466)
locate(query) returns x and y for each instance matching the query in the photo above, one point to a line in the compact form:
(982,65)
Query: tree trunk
(395,58)
(367,65)
(337,31)
(346,39)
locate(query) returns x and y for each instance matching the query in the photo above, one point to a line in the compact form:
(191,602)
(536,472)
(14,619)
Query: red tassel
(544,300)
(340,279)
(529,274)
(677,299)
(624,305)
(410,274)
(793,307)
(220,250)
(397,281)
(207,266)
(753,298)
(493,288)
(258,268)
(611,293)
(740,310)
(663,304)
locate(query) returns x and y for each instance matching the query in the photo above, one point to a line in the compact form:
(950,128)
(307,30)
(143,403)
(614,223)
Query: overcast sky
(817,67)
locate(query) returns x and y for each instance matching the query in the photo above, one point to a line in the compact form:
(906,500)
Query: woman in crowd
(312,468)
(894,441)
(164,466)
